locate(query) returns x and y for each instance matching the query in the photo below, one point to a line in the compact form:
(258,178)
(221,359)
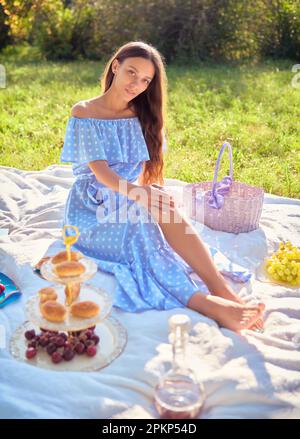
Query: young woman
(135,231)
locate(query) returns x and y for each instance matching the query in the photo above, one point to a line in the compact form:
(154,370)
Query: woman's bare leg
(184,239)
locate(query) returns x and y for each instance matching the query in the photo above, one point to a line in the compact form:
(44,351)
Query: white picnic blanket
(245,376)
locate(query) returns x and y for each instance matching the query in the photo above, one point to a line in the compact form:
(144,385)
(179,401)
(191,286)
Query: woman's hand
(155,199)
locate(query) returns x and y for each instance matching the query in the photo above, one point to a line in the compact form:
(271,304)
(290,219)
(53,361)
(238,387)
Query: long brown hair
(150,106)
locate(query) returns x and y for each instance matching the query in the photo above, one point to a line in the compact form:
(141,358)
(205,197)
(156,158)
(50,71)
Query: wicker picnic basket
(228,205)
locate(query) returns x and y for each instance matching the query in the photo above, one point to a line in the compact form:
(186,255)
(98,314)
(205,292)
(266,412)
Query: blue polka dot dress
(118,233)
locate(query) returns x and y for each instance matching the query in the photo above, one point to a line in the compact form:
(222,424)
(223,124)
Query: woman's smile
(130,93)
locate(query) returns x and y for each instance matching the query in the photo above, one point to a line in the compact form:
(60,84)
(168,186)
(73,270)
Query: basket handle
(218,191)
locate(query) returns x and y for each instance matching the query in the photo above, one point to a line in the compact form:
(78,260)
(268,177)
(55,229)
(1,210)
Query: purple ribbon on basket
(221,188)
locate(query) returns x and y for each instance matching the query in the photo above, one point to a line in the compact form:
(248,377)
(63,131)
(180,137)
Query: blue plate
(11,292)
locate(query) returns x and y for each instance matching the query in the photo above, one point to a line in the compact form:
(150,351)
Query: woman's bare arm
(105,175)
(146,195)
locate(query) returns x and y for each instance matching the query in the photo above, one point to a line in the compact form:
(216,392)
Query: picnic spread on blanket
(69,321)
(49,338)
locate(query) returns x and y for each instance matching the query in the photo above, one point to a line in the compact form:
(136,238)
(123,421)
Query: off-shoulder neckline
(103,120)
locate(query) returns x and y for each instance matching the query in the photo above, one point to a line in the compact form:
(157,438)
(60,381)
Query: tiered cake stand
(113,336)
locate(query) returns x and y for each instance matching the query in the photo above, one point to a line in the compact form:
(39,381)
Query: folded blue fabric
(228,268)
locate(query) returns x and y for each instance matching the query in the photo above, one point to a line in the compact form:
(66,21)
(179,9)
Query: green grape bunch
(284,265)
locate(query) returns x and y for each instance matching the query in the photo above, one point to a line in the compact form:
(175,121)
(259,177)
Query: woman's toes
(250,318)
(252,313)
(257,327)
(260,323)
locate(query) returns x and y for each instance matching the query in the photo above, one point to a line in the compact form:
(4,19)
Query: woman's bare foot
(227,313)
(236,316)
(229,294)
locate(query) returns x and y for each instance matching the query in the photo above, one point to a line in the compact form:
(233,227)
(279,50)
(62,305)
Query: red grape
(29,335)
(51,348)
(68,354)
(95,339)
(31,352)
(91,351)
(44,340)
(59,341)
(83,338)
(80,348)
(89,343)
(88,334)
(56,357)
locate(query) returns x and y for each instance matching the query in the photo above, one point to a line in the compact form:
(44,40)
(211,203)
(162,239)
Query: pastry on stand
(69,326)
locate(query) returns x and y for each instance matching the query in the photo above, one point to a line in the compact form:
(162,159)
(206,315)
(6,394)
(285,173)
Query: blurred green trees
(222,30)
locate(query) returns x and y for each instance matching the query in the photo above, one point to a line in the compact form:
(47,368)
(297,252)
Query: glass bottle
(179,395)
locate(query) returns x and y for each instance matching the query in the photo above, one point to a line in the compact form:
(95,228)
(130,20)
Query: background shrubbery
(222,30)
(226,88)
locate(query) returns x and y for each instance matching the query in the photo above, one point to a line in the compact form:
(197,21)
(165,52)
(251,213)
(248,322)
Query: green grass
(254,107)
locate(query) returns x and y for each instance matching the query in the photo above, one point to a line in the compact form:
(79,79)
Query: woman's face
(133,76)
